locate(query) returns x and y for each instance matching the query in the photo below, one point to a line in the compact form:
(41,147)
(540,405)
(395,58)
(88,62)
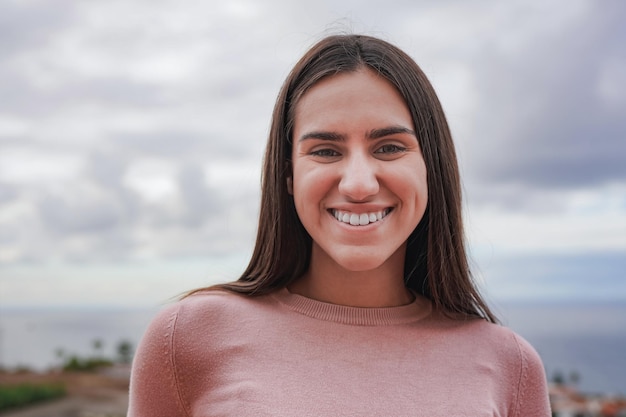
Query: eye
(390,149)
(325,153)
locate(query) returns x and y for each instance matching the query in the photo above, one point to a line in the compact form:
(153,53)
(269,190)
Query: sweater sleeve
(154,386)
(532,395)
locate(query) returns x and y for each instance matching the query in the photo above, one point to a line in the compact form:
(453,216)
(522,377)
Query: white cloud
(13,127)
(25,165)
(585,220)
(154,179)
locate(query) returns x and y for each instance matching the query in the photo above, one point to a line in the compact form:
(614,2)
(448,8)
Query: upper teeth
(359,219)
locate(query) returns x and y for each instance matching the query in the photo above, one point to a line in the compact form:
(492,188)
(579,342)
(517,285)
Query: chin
(361,262)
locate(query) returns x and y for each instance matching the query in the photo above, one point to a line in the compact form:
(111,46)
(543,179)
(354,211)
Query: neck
(379,287)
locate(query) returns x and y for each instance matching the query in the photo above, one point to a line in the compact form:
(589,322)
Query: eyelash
(325,153)
(384,149)
(396,148)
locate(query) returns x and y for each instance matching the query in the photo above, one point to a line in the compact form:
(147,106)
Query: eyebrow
(388,131)
(372,134)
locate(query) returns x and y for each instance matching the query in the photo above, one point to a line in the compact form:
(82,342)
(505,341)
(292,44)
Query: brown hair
(436,264)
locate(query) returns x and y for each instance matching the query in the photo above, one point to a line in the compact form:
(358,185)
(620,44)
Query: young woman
(358,300)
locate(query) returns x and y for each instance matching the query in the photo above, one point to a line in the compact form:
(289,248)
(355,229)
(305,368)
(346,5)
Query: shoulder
(205,310)
(523,356)
(521,368)
(530,382)
(517,362)
(483,334)
(179,329)
(180,347)
(507,341)
(157,385)
(503,344)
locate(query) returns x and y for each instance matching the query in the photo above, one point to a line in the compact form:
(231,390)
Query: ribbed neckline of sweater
(359,316)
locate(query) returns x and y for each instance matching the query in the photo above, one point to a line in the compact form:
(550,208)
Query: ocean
(585,342)
(585,339)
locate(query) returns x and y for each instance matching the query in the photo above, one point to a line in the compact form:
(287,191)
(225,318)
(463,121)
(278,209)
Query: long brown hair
(436,264)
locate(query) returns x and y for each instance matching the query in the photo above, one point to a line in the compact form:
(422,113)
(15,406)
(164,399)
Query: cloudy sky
(131,135)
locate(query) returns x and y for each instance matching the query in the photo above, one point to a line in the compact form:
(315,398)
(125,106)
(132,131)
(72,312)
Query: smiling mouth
(362,219)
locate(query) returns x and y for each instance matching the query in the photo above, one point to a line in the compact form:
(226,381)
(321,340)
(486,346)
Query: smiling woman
(356,156)
(358,299)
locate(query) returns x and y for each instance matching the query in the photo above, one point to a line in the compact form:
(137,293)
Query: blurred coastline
(581,345)
(584,341)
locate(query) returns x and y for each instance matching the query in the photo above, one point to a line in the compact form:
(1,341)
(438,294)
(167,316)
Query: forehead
(361,96)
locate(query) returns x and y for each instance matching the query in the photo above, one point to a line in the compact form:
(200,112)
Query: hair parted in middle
(436,263)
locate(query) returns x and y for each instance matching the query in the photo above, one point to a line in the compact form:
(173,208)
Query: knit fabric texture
(223,354)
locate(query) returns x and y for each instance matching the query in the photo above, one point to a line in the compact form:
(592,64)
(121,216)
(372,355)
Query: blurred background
(131,139)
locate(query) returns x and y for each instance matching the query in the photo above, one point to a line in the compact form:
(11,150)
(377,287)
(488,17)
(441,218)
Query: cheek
(422,193)
(302,190)
(309,181)
(421,182)
(310,188)
(412,187)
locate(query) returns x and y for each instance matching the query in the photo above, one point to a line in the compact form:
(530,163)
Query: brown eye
(390,149)
(326,153)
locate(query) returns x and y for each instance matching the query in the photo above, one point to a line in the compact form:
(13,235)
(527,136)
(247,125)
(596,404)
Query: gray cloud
(30,24)
(544,121)
(74,212)
(195,87)
(20,96)
(200,202)
(7,193)
(179,144)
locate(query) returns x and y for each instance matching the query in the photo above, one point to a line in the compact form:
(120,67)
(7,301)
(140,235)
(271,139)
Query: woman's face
(359,178)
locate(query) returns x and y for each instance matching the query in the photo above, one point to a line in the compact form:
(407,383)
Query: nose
(359,180)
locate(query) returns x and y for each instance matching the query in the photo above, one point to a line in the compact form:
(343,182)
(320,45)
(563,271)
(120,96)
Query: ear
(289,173)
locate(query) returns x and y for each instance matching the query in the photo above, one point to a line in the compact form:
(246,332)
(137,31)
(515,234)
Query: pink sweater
(222,354)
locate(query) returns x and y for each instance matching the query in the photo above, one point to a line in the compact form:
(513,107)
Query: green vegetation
(558,378)
(75,363)
(12,396)
(125,352)
(24,394)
